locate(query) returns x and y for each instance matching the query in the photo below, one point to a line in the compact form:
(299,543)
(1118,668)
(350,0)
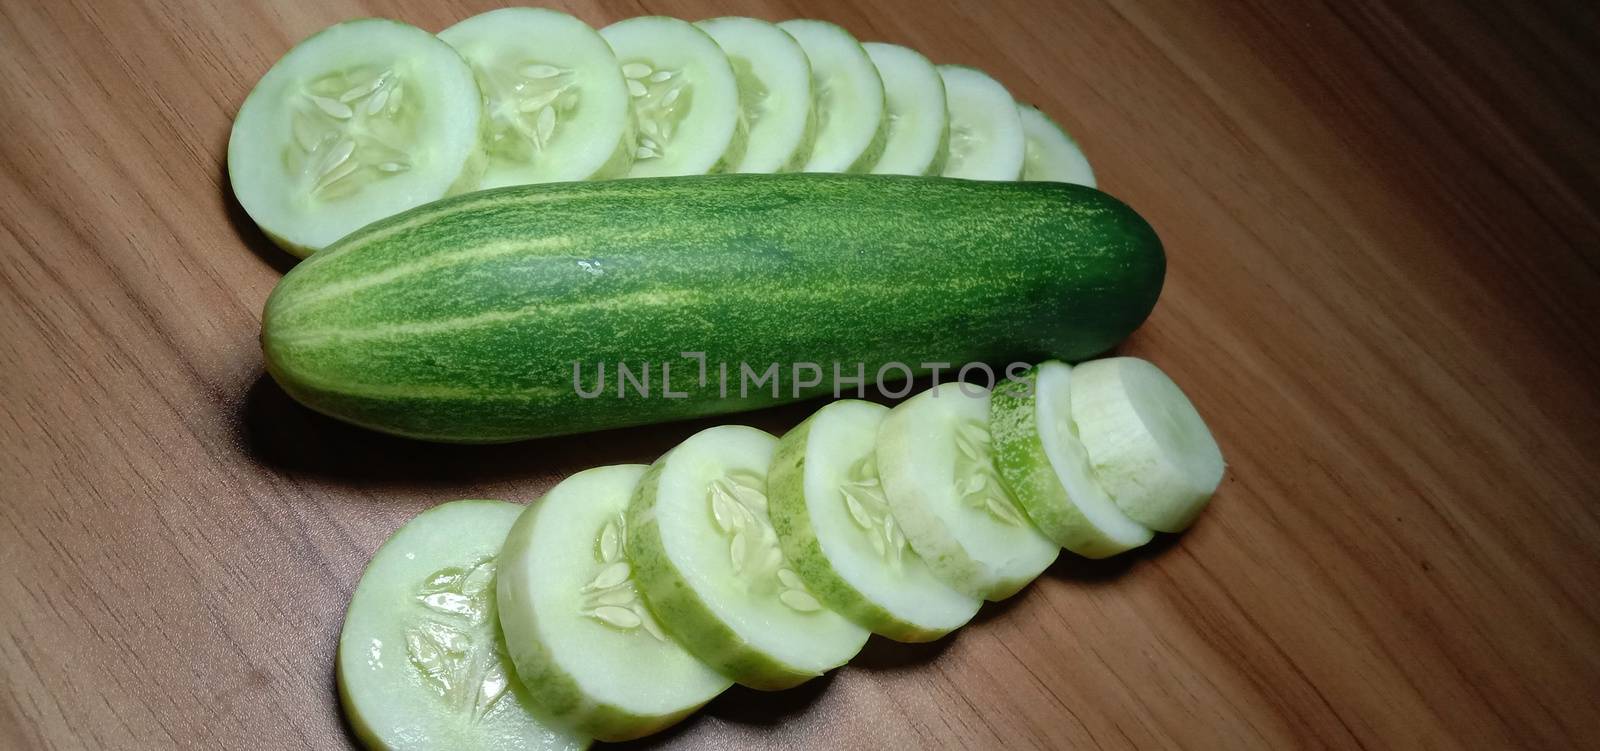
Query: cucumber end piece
(1149,447)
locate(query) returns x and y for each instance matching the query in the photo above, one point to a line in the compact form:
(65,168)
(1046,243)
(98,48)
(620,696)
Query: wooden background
(1382,224)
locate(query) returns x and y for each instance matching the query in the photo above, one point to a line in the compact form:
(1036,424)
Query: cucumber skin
(757,268)
(681,612)
(786,500)
(1026,470)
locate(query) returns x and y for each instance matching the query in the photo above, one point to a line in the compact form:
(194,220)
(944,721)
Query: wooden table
(1382,225)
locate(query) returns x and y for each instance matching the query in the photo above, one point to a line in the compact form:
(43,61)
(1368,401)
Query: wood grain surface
(1382,224)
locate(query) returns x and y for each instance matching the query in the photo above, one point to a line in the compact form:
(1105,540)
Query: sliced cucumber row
(629,596)
(369,118)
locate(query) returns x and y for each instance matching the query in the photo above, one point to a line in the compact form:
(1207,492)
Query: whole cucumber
(489,316)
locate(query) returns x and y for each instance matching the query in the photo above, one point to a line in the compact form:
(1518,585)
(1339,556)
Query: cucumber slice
(934,459)
(711,569)
(1050,154)
(847,95)
(774,94)
(555,106)
(362,121)
(918,119)
(986,140)
(421,663)
(579,634)
(1148,446)
(1045,466)
(828,508)
(684,95)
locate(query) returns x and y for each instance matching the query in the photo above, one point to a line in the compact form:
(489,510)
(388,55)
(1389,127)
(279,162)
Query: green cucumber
(848,96)
(421,662)
(1051,154)
(1147,445)
(775,122)
(986,137)
(828,508)
(365,119)
(938,474)
(918,131)
(555,107)
(710,567)
(462,321)
(684,93)
(588,650)
(1047,469)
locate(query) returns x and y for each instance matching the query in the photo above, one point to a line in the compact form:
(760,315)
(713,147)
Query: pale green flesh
(1047,469)
(1050,154)
(683,92)
(589,651)
(421,665)
(774,94)
(555,106)
(1147,445)
(939,477)
(986,138)
(918,117)
(712,571)
(848,95)
(362,121)
(839,535)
